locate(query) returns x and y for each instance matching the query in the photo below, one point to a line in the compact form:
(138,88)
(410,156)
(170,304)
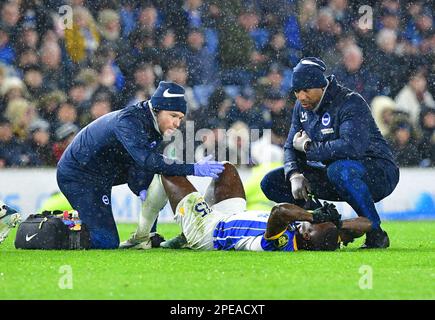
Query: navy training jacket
(107,149)
(341,128)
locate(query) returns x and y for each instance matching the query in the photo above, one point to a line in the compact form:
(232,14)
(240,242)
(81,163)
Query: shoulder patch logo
(281,242)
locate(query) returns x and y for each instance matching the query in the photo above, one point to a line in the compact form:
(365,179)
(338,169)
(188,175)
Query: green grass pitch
(404,271)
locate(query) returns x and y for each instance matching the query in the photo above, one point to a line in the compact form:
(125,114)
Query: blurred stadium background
(235,60)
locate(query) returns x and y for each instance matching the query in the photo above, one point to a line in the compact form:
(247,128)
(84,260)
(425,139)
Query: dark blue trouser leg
(347,178)
(95,210)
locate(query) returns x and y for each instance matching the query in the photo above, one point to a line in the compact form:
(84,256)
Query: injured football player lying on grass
(218,220)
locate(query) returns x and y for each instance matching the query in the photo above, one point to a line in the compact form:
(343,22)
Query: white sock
(150,208)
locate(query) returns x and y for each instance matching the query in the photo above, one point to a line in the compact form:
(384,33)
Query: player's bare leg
(154,201)
(227,186)
(176,189)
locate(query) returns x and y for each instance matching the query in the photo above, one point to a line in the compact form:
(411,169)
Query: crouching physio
(118,148)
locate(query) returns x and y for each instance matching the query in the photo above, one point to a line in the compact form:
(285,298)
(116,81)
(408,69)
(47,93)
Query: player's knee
(344,170)
(228,166)
(265,186)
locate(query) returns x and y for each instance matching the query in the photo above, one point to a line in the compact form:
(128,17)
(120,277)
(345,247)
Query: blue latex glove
(208,168)
(143,195)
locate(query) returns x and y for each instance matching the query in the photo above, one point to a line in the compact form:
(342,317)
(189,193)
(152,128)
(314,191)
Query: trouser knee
(342,171)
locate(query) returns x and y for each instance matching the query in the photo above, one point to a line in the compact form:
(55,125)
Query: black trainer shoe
(376,239)
(156,240)
(179,242)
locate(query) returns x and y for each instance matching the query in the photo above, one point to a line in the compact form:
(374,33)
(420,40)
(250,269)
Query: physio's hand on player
(208,168)
(300,140)
(327,213)
(300,186)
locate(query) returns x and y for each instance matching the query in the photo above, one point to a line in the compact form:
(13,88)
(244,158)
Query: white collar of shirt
(321,99)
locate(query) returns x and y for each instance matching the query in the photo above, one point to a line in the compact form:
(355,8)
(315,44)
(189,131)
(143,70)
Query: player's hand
(300,186)
(208,168)
(327,213)
(300,140)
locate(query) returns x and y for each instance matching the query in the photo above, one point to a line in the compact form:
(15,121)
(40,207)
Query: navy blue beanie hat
(308,74)
(169,96)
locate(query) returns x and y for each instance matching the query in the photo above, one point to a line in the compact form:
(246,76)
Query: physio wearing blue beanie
(169,96)
(308,74)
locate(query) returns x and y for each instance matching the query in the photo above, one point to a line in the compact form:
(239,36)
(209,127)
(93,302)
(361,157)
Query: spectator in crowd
(141,47)
(39,144)
(148,20)
(389,67)
(20,112)
(142,85)
(307,14)
(83,39)
(354,75)
(234,60)
(10,148)
(403,140)
(244,110)
(177,73)
(273,81)
(12,88)
(214,114)
(79,94)
(27,57)
(341,11)
(276,113)
(66,113)
(28,37)
(168,50)
(427,145)
(277,52)
(48,105)
(7,52)
(200,63)
(383,109)
(51,64)
(110,28)
(64,135)
(99,107)
(127,16)
(414,96)
(34,81)
(321,39)
(10,17)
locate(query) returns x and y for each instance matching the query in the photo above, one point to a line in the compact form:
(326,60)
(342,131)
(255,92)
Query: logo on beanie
(311,62)
(326,119)
(167,94)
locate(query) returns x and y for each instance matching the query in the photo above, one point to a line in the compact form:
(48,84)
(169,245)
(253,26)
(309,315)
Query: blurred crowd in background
(234,58)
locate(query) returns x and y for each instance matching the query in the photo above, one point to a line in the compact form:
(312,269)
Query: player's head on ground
(317,237)
(309,82)
(169,105)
